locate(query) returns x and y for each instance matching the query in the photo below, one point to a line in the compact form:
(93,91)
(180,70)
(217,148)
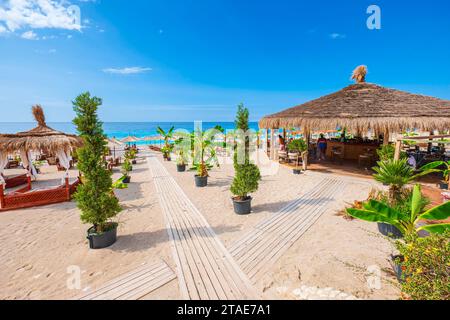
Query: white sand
(333,253)
(37,245)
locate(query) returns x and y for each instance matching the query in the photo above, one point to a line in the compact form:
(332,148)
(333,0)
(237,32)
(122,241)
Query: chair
(282,156)
(337,153)
(367,158)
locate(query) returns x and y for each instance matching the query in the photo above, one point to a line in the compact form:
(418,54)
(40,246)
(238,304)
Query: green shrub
(94,196)
(247,175)
(298,145)
(126,167)
(387,152)
(245,181)
(426,267)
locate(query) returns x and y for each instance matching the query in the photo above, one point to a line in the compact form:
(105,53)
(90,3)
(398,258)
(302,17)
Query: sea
(120,130)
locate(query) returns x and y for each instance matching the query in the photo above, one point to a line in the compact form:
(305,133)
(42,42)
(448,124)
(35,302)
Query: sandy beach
(40,244)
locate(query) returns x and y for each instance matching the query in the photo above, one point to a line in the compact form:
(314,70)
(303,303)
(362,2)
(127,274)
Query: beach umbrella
(112,144)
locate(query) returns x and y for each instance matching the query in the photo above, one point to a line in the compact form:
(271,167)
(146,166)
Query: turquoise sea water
(121,130)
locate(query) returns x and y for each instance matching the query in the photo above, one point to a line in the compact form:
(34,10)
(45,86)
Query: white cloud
(128,70)
(29,35)
(337,36)
(39,14)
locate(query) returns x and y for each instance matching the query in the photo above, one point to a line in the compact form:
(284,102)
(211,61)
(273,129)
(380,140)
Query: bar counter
(352,150)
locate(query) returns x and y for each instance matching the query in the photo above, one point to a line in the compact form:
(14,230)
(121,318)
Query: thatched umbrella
(365,106)
(40,138)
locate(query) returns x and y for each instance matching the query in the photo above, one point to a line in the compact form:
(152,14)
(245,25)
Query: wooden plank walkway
(205,269)
(134,285)
(257,251)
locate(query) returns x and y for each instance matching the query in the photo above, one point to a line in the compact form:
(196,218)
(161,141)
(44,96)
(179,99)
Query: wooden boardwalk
(205,269)
(134,285)
(257,251)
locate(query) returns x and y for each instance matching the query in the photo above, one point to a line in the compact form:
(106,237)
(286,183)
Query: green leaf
(441,212)
(371,216)
(436,228)
(416,202)
(383,209)
(432,165)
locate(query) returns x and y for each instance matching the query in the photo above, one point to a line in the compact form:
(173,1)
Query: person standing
(322,145)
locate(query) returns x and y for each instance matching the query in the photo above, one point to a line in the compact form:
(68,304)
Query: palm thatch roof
(40,138)
(364,106)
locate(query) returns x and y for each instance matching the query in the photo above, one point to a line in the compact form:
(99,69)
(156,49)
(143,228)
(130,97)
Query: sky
(182,60)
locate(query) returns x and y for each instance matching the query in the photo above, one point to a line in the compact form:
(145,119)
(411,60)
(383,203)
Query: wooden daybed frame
(27,198)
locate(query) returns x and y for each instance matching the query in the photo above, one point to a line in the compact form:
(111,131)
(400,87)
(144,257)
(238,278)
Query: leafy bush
(387,152)
(94,197)
(126,167)
(298,145)
(247,175)
(397,174)
(246,181)
(426,267)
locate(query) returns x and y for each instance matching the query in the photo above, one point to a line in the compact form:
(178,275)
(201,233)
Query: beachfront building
(40,143)
(372,114)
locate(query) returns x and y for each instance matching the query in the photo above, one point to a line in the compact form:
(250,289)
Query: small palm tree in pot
(94,196)
(168,147)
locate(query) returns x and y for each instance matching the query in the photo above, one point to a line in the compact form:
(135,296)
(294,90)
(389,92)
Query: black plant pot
(181,167)
(127,179)
(134,162)
(389,231)
(103,240)
(201,181)
(242,207)
(297,171)
(443,186)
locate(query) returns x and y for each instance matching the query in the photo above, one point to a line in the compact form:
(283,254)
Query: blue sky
(196,60)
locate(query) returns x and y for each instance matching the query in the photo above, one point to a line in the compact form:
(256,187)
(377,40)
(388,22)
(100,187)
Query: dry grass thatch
(364,106)
(40,138)
(359,74)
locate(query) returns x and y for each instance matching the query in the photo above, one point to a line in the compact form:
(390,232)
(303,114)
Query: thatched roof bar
(365,106)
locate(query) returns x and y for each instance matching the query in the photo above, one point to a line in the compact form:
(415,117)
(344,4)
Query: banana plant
(168,147)
(445,172)
(376,211)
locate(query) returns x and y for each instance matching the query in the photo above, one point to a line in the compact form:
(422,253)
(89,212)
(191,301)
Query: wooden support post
(67,189)
(386,138)
(272,144)
(398,150)
(2,196)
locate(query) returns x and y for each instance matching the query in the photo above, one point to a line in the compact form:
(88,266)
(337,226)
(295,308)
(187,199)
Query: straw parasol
(364,106)
(129,139)
(40,138)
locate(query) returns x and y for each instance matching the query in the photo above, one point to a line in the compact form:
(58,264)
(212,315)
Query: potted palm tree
(181,160)
(205,156)
(247,174)
(94,197)
(299,147)
(126,169)
(168,147)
